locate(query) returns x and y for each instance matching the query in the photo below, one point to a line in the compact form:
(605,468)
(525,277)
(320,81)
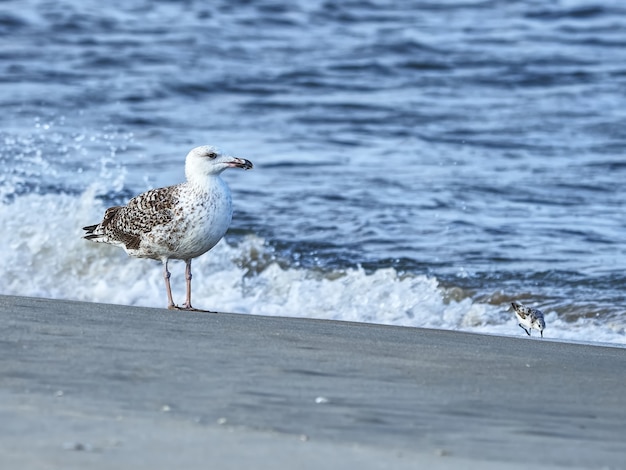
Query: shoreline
(102,385)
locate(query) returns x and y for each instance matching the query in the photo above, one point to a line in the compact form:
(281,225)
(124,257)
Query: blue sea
(416,163)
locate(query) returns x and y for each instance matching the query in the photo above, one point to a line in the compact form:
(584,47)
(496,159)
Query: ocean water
(416,163)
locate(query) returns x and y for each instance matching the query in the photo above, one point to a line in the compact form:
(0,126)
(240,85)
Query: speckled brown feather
(127,224)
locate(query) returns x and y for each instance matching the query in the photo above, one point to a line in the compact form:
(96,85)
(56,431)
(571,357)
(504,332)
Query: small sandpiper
(529,318)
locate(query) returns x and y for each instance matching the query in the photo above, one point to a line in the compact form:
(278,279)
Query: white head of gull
(176,222)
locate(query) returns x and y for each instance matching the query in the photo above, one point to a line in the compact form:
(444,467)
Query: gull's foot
(189,308)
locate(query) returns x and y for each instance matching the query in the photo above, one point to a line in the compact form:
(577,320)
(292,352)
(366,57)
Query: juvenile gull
(529,318)
(177,222)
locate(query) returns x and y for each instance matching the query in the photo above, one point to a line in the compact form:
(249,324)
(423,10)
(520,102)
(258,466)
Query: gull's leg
(188,276)
(166,275)
(187,305)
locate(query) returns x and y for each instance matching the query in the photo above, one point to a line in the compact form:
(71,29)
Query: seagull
(182,221)
(529,318)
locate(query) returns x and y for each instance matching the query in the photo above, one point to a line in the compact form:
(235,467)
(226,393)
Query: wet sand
(106,386)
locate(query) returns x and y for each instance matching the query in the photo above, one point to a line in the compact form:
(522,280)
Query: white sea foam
(45,256)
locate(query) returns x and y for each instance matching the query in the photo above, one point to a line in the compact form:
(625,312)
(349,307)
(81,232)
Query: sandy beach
(107,386)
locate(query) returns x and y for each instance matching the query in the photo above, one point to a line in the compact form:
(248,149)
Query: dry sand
(105,386)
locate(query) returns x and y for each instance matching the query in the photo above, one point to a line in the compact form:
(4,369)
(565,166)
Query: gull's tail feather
(90,229)
(96,232)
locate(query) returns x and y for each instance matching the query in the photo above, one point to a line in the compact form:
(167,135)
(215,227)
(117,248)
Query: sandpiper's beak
(241,163)
(541,333)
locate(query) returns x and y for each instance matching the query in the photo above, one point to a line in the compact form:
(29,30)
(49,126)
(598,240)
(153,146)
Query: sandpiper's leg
(188,276)
(523,328)
(166,275)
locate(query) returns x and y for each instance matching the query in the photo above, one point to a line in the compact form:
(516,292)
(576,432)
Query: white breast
(202,219)
(201,216)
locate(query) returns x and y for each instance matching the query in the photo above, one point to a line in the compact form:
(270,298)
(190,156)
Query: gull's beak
(241,163)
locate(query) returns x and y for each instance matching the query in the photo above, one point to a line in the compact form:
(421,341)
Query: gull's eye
(212,155)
